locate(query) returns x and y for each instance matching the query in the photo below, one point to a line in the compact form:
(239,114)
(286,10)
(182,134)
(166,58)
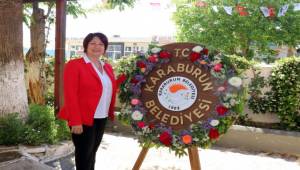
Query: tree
(39,23)
(13,97)
(237,34)
(37,19)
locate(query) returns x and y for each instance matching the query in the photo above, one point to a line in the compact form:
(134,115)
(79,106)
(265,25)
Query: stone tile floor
(120,153)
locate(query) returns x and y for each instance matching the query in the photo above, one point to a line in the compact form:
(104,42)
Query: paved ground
(120,153)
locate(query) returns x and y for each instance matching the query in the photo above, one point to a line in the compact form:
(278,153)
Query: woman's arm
(71,88)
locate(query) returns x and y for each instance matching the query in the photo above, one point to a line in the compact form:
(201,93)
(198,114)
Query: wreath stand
(193,156)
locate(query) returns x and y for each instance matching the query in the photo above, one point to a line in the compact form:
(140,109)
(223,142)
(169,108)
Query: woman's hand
(77,129)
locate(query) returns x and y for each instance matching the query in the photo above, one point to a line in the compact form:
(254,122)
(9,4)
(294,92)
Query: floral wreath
(230,92)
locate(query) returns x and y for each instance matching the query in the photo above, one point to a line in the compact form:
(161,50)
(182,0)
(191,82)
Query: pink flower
(135,101)
(218,67)
(221,88)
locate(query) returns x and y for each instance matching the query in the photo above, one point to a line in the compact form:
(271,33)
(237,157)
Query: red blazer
(82,92)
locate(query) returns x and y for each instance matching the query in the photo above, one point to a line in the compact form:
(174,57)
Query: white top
(105,99)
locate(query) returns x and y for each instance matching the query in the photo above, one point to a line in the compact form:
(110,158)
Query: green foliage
(11,129)
(235,34)
(41,127)
(284,96)
(49,72)
(63,131)
(240,64)
(126,65)
(75,9)
(121,4)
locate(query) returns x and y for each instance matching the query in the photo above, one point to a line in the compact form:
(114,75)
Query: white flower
(214,122)
(227,105)
(232,102)
(216,60)
(155,50)
(195,139)
(146,129)
(235,81)
(137,115)
(197,49)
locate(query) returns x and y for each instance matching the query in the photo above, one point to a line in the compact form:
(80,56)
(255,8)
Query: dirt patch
(9,155)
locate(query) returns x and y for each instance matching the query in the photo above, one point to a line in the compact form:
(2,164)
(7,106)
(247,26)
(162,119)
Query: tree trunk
(13,97)
(35,58)
(291,51)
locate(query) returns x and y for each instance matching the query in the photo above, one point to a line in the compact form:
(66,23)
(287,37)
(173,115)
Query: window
(127,51)
(127,48)
(114,51)
(72,53)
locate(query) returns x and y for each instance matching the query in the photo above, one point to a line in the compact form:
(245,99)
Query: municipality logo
(177,93)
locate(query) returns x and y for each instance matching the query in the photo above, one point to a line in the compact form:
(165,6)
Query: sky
(147,18)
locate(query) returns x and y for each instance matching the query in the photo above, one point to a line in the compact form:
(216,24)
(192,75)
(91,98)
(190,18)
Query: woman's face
(95,48)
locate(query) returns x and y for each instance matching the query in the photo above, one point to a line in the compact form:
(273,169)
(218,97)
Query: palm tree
(13,96)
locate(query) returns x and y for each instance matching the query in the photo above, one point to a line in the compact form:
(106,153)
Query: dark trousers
(87,143)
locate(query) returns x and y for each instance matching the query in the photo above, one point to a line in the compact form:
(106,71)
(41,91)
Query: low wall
(243,138)
(261,140)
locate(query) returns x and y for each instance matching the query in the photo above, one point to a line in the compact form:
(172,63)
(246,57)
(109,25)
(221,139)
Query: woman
(89,98)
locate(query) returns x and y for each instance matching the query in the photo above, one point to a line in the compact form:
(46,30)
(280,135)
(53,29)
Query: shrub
(284,96)
(63,131)
(11,129)
(40,126)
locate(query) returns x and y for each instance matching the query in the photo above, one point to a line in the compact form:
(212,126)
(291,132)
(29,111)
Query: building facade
(118,46)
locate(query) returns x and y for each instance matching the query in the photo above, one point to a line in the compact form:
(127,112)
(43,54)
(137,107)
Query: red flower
(152,59)
(141,124)
(194,56)
(165,138)
(141,64)
(134,81)
(205,51)
(221,110)
(164,54)
(218,67)
(213,133)
(151,125)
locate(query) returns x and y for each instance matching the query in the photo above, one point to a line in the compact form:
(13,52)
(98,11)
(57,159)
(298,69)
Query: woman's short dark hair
(89,38)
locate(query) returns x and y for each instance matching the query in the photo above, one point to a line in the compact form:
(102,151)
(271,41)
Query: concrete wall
(261,140)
